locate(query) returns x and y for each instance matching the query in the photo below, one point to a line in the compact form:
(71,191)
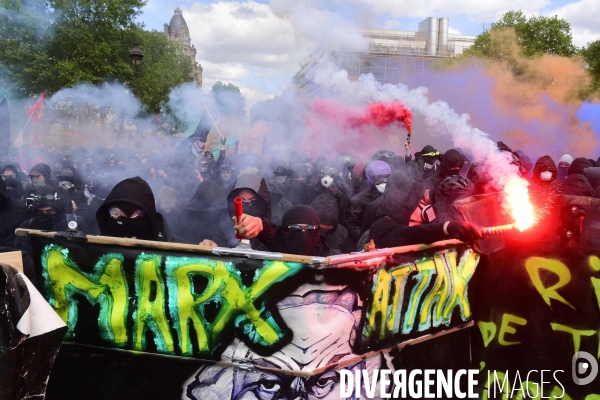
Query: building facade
(178,32)
(391,55)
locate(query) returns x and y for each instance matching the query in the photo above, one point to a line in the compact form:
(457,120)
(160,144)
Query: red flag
(37,110)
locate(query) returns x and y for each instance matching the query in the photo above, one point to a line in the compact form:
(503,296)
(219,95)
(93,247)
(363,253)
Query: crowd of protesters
(292,204)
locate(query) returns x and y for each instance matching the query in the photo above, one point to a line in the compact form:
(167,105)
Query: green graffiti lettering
(381,288)
(399,277)
(239,305)
(488,331)
(426,270)
(575,333)
(506,329)
(63,279)
(150,313)
(225,288)
(437,296)
(459,280)
(533,266)
(594,263)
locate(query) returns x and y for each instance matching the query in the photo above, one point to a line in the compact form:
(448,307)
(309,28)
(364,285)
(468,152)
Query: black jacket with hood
(12,214)
(200,217)
(135,191)
(225,235)
(357,208)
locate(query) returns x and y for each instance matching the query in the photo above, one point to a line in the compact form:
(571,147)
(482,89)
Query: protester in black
(12,214)
(129,211)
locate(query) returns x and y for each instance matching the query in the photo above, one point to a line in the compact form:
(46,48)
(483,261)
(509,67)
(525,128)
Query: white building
(391,55)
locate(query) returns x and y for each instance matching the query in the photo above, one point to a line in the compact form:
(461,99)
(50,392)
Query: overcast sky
(247,44)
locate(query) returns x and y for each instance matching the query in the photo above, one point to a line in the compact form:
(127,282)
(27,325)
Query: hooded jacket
(400,198)
(200,217)
(12,214)
(135,191)
(327,208)
(579,165)
(576,185)
(415,169)
(224,236)
(592,174)
(544,163)
(357,208)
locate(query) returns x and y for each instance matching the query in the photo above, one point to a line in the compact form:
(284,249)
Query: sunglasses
(381,179)
(117,213)
(328,171)
(311,230)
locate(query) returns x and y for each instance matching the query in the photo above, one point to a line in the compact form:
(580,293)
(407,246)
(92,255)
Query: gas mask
(203,167)
(327,181)
(281,179)
(546,176)
(380,187)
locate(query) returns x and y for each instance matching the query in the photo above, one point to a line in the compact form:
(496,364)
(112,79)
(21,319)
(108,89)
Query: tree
(591,54)
(229,99)
(47,45)
(536,35)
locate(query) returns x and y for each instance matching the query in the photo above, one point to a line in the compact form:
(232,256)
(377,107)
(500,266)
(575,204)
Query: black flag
(192,146)
(4,127)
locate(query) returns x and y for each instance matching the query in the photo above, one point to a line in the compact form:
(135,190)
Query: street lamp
(136,56)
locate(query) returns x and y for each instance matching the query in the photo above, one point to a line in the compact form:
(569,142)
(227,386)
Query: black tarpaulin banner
(30,336)
(156,320)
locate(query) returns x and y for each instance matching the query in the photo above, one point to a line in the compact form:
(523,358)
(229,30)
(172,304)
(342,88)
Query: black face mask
(328,232)
(255,208)
(141,229)
(302,244)
(45,222)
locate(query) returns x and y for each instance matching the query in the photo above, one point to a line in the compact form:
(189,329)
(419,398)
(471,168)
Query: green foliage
(47,45)
(591,54)
(536,35)
(229,99)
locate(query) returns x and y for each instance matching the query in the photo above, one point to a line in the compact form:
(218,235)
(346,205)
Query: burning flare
(516,197)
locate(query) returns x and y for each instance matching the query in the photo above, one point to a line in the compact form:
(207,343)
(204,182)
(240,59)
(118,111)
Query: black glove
(464,231)
(43,222)
(223,140)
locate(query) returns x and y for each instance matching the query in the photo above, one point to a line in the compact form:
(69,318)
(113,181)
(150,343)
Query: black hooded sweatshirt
(12,214)
(358,204)
(200,217)
(225,235)
(415,169)
(400,198)
(137,192)
(576,185)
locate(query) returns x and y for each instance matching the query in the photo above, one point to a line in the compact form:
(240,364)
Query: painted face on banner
(324,323)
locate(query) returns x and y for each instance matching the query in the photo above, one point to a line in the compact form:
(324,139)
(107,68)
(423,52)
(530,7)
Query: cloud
(583,17)
(454,31)
(484,11)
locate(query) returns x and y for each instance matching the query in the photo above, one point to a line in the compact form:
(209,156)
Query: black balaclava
(300,243)
(4,195)
(130,195)
(430,155)
(327,208)
(17,189)
(452,159)
(256,208)
(126,227)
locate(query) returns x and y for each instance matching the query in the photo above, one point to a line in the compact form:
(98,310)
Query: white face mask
(281,179)
(380,187)
(546,175)
(327,181)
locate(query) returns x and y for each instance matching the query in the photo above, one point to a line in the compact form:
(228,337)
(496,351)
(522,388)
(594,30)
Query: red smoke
(385,114)
(362,130)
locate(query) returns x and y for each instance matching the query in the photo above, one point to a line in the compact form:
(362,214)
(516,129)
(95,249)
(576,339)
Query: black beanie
(300,215)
